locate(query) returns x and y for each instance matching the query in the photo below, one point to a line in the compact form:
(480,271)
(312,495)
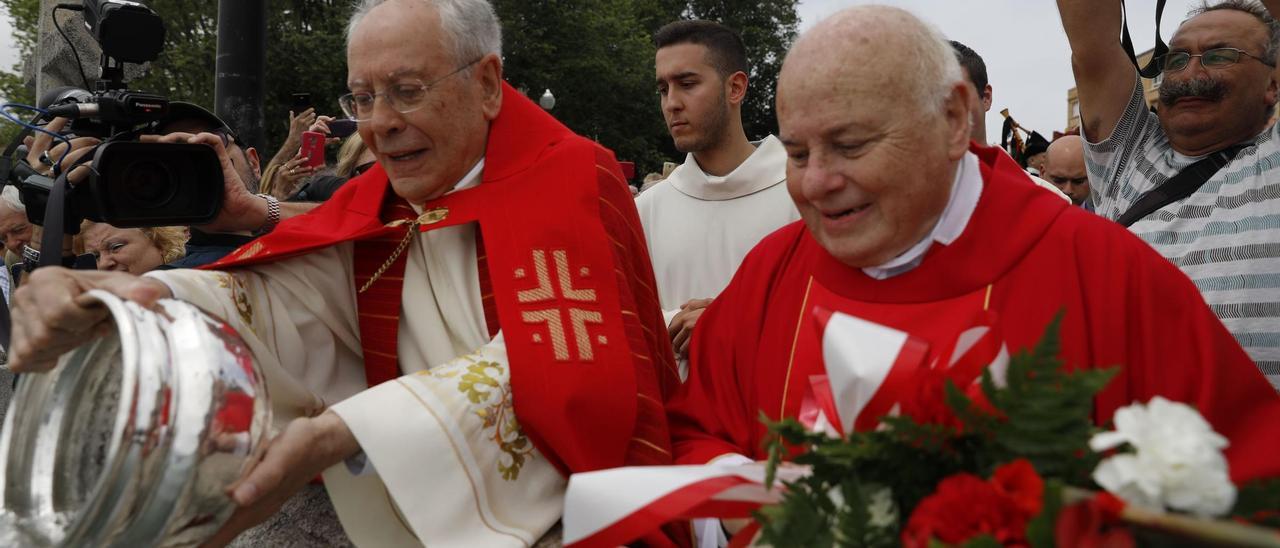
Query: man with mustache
(1217,93)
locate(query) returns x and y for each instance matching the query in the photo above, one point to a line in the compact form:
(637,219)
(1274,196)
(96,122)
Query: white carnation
(1177,461)
(884,512)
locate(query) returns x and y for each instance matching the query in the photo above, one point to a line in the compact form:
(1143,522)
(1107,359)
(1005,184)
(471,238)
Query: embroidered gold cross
(553,317)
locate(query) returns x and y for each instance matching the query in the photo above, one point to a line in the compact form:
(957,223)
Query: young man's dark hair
(724,45)
(972,63)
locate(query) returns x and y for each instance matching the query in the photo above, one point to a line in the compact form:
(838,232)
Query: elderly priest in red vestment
(908,224)
(452,332)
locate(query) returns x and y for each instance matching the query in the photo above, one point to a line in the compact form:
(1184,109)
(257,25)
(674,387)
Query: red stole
(572,289)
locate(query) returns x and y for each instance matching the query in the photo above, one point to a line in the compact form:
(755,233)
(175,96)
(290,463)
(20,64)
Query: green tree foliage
(768,28)
(306,53)
(595,55)
(25,15)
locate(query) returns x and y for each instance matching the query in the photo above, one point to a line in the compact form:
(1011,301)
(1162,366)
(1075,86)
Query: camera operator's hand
(42,154)
(52,314)
(322,126)
(241,211)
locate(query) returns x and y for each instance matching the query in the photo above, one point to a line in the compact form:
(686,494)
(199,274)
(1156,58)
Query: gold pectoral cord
(428,217)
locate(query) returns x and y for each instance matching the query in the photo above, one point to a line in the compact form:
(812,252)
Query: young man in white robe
(434,343)
(729,193)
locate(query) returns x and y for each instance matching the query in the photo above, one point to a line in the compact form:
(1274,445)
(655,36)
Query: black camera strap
(54,214)
(1184,184)
(1157,57)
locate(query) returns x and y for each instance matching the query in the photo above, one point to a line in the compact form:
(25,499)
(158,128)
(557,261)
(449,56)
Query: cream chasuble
(699,227)
(449,467)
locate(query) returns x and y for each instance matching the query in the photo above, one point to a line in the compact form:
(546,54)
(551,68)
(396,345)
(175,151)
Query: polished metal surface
(134,437)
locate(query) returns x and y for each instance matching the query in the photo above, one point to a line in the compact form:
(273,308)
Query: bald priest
(909,225)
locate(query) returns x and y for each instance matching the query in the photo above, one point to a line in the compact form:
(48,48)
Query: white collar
(764,168)
(965,191)
(472,178)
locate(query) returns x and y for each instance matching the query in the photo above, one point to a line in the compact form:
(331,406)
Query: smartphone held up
(313,148)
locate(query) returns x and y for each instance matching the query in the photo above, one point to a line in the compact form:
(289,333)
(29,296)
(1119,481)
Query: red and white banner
(613,507)
(870,370)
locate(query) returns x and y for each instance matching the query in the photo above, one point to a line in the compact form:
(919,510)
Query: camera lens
(148,184)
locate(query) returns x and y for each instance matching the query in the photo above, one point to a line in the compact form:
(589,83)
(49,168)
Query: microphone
(75,110)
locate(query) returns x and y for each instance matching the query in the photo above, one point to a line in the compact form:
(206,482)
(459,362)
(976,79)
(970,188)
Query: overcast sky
(1028,61)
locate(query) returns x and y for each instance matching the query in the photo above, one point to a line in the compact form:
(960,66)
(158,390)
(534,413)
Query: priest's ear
(956,112)
(735,88)
(488,73)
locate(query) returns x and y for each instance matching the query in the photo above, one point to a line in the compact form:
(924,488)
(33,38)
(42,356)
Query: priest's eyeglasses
(1212,58)
(404,96)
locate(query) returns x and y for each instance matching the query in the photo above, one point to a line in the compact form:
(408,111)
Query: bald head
(911,58)
(1067,150)
(874,113)
(1064,167)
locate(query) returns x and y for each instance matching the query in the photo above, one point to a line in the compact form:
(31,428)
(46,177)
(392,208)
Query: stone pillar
(54,64)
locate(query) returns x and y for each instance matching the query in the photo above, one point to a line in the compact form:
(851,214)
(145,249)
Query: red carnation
(964,506)
(929,403)
(1019,481)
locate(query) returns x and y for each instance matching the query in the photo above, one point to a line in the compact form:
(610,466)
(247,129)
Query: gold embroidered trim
(239,297)
(483,388)
(786,383)
(551,317)
(475,490)
(543,292)
(650,445)
(251,251)
(579,320)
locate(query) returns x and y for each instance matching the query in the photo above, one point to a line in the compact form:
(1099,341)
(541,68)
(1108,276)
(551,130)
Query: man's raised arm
(1104,74)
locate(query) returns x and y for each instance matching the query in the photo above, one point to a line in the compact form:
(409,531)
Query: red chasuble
(565,276)
(1026,254)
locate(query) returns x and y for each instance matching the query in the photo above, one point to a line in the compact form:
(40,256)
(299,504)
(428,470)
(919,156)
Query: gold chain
(408,236)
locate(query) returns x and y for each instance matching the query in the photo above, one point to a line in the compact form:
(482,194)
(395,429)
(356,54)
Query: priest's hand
(305,449)
(681,328)
(52,315)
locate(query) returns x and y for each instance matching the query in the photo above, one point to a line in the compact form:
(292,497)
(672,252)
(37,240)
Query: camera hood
(155,184)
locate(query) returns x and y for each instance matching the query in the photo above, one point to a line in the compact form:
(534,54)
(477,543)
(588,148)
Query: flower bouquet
(1015,460)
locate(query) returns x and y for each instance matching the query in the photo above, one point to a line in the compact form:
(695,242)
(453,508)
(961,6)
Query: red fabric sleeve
(656,375)
(1173,345)
(715,412)
(653,359)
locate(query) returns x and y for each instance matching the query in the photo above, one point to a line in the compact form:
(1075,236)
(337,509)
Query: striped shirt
(1225,236)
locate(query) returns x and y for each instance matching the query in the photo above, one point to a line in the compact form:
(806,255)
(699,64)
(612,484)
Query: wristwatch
(273,215)
(31,259)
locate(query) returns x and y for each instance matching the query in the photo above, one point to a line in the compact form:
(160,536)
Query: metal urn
(133,439)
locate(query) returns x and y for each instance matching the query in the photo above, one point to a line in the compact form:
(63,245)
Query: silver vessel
(133,439)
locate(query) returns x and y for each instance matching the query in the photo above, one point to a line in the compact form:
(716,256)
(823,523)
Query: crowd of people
(465,238)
